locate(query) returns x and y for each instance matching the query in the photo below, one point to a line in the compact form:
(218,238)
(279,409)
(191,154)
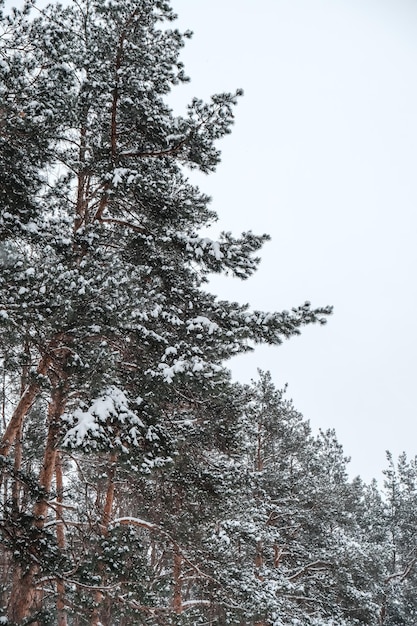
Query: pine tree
(297,529)
(104,316)
(399,605)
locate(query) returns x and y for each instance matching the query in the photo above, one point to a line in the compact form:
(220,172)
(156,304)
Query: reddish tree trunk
(177,572)
(23,599)
(60,536)
(27,399)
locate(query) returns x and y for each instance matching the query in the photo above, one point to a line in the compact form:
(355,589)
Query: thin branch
(404,574)
(110,220)
(316,566)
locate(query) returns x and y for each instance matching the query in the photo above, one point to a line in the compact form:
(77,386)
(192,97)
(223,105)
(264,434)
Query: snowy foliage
(108,413)
(138,484)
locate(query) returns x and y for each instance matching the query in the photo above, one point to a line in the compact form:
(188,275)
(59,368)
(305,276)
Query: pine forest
(139,484)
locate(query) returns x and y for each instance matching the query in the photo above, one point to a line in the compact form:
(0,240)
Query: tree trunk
(60,537)
(106,517)
(27,399)
(18,445)
(23,596)
(177,597)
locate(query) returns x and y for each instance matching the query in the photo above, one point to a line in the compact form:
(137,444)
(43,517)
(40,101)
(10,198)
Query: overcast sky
(324,158)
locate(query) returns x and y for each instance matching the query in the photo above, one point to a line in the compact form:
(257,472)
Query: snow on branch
(89,423)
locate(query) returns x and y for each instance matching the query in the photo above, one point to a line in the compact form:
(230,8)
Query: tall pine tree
(105,322)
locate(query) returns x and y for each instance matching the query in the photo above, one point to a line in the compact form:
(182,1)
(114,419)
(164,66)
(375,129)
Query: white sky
(324,158)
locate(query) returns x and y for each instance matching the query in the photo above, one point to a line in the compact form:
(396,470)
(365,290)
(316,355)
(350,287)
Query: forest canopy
(139,485)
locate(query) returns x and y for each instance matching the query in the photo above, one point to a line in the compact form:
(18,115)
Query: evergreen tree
(305,559)
(399,605)
(104,317)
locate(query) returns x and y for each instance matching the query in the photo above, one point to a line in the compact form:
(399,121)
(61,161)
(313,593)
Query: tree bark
(60,537)
(105,520)
(27,399)
(177,597)
(23,598)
